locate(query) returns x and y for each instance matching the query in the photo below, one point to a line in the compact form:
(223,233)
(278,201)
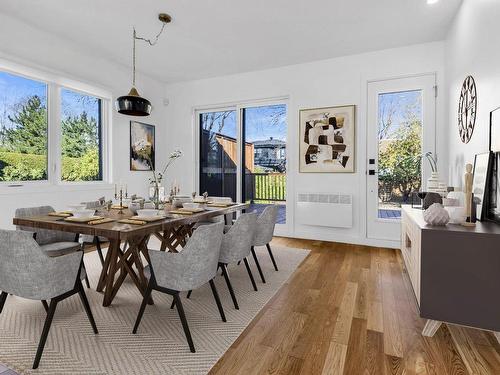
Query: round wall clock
(467,109)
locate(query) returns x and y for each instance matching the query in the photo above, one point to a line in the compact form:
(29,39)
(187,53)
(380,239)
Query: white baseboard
(342,239)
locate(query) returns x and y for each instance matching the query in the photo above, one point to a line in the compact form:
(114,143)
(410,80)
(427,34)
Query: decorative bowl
(77,207)
(457,214)
(179,200)
(83,213)
(134,207)
(148,212)
(190,205)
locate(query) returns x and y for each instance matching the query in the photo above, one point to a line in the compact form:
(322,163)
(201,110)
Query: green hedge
(29,167)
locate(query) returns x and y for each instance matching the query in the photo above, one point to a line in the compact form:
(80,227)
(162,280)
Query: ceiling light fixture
(133,104)
(430,2)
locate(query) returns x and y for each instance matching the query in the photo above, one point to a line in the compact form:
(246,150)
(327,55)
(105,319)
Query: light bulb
(430,2)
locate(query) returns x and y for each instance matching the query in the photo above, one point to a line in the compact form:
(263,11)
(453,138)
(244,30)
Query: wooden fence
(265,186)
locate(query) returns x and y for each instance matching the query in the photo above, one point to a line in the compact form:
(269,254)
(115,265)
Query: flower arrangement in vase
(158,191)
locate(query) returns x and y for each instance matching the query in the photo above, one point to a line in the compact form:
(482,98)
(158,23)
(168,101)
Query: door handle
(372,172)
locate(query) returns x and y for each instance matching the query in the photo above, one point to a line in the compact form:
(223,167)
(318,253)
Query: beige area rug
(160,346)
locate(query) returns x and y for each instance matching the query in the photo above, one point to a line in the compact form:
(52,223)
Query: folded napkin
(194,210)
(118,207)
(181,212)
(101,221)
(134,222)
(61,214)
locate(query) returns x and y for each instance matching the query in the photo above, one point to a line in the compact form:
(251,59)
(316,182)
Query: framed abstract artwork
(327,142)
(142,146)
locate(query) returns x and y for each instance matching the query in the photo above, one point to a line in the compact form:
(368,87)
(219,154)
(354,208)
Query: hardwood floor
(350,309)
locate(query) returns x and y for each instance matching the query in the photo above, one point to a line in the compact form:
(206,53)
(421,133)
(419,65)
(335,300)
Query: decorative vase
(435,185)
(430,199)
(436,215)
(157,194)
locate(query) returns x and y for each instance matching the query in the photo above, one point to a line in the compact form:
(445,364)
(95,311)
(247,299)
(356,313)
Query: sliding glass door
(264,176)
(243,155)
(218,153)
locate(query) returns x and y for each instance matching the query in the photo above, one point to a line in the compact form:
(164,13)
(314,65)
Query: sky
(259,124)
(15,89)
(400,101)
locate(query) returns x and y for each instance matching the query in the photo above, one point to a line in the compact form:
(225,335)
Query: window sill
(44,187)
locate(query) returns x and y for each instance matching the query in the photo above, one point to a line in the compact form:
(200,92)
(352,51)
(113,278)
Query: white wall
(472,49)
(22,44)
(331,82)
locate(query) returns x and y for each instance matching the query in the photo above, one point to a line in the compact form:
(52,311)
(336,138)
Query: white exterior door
(401,128)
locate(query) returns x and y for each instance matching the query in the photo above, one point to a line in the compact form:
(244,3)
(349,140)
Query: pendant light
(133,104)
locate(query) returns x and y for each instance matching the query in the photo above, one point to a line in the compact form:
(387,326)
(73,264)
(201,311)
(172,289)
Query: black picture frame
(493,202)
(480,180)
(137,131)
(495,130)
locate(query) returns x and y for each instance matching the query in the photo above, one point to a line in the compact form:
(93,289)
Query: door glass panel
(264,176)
(399,150)
(218,153)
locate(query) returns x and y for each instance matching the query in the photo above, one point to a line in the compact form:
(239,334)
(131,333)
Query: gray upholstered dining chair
(236,245)
(87,239)
(27,271)
(264,235)
(53,242)
(193,267)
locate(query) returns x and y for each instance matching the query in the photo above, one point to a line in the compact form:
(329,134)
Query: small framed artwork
(142,146)
(495,130)
(327,142)
(480,183)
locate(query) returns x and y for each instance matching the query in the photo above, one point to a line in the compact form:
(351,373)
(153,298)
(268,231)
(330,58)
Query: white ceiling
(217,37)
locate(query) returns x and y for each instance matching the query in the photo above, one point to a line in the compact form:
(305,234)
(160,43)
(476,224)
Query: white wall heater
(324,209)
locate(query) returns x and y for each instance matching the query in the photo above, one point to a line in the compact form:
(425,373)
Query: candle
(115,190)
(126,190)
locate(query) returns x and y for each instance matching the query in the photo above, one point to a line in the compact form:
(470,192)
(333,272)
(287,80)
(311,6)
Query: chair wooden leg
(86,276)
(45,305)
(258,266)
(99,250)
(229,286)
(217,300)
(272,256)
(45,332)
(182,316)
(189,294)
(3,298)
(145,300)
(250,274)
(86,306)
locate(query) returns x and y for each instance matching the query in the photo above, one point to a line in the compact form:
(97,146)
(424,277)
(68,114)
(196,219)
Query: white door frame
(388,229)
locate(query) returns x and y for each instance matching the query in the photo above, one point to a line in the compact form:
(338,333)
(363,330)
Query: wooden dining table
(128,241)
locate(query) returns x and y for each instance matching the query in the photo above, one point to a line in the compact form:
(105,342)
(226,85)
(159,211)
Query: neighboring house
(270,154)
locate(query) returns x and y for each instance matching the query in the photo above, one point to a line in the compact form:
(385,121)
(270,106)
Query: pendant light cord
(133,59)
(151,42)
